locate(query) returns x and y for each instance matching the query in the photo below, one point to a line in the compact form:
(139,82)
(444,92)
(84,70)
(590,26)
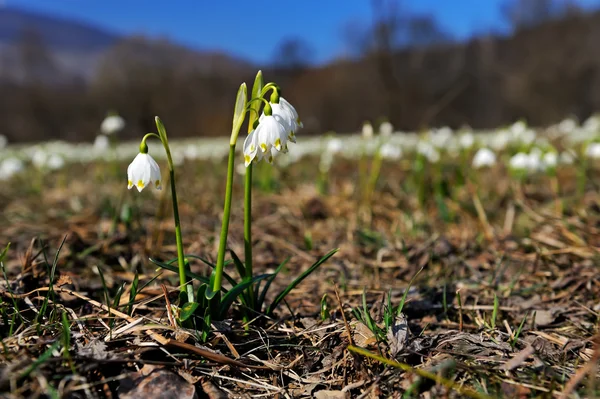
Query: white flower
(271,133)
(334,146)
(466,140)
(101,143)
(386,129)
(3,141)
(390,151)
(112,124)
(519,161)
(440,137)
(39,158)
(55,162)
(426,149)
(367,130)
(593,150)
(484,157)
(9,167)
(550,160)
(143,171)
(567,126)
(292,118)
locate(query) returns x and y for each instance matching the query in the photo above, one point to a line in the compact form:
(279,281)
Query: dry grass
(509,242)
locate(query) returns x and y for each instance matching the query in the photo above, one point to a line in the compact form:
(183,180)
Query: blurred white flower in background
(440,137)
(143,171)
(55,162)
(390,151)
(39,158)
(112,124)
(567,126)
(593,151)
(519,161)
(101,143)
(592,124)
(550,160)
(367,130)
(386,129)
(428,151)
(484,157)
(334,146)
(466,140)
(9,167)
(3,141)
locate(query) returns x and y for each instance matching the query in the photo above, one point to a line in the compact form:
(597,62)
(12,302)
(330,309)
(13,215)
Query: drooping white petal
(250,148)
(143,171)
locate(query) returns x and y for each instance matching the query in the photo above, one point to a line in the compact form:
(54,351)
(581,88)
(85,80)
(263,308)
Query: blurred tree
(529,13)
(293,54)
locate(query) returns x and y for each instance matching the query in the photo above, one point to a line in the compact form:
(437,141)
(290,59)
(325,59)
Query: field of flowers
(424,264)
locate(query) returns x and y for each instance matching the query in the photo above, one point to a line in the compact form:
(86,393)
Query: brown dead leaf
(325,394)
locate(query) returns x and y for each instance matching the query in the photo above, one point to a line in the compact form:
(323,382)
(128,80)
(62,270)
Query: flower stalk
(257,89)
(162,133)
(238,119)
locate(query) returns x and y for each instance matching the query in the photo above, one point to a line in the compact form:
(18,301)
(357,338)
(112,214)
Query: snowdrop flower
(3,141)
(484,157)
(101,143)
(466,140)
(592,124)
(428,151)
(9,167)
(500,140)
(550,160)
(593,151)
(367,130)
(143,171)
(289,115)
(567,126)
(519,161)
(334,146)
(270,134)
(55,162)
(390,151)
(112,124)
(440,137)
(386,129)
(39,158)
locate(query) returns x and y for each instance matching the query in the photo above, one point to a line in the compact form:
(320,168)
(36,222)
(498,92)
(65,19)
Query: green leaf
(261,299)
(297,281)
(4,252)
(188,273)
(188,310)
(236,291)
(239,265)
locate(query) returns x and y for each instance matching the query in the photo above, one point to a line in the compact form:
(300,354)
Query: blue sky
(253,29)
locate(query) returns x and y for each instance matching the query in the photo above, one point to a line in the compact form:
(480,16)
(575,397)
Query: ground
(504,297)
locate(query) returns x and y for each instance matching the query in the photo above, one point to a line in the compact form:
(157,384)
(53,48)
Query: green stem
(178,238)
(225,224)
(162,135)
(248,229)
(372,182)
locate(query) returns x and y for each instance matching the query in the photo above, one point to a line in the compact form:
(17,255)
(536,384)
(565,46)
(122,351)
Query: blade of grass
(421,373)
(298,280)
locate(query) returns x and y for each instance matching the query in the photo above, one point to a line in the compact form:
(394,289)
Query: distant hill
(76,49)
(59,34)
